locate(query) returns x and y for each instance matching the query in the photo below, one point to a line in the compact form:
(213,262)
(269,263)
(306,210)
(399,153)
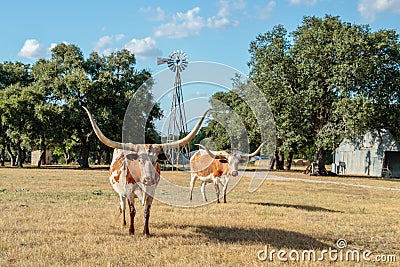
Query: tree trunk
(11,155)
(67,157)
(99,159)
(289,160)
(84,159)
(271,163)
(279,160)
(42,159)
(318,166)
(20,156)
(2,157)
(109,156)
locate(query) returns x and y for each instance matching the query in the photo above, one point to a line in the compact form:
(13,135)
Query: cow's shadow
(277,238)
(301,207)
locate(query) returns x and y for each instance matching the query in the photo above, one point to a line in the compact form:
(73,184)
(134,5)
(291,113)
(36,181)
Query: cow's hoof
(147,234)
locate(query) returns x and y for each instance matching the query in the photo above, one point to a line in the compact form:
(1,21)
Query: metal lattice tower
(177,126)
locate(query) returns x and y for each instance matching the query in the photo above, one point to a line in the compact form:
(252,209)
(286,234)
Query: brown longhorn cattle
(135,171)
(216,167)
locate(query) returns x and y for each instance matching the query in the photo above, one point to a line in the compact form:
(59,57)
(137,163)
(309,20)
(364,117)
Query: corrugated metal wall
(365,155)
(359,162)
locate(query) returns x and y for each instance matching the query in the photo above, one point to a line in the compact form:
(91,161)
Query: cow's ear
(223,160)
(162,156)
(133,156)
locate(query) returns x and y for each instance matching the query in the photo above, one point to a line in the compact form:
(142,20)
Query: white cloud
(188,24)
(304,2)
(223,17)
(369,8)
(219,23)
(119,37)
(241,4)
(52,45)
(143,48)
(157,14)
(200,94)
(106,43)
(264,12)
(103,43)
(33,49)
(182,25)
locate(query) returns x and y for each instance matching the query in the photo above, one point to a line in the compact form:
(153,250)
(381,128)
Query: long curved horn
(133,147)
(210,153)
(185,140)
(105,140)
(254,153)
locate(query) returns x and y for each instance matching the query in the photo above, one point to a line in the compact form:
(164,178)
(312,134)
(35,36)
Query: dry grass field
(69,217)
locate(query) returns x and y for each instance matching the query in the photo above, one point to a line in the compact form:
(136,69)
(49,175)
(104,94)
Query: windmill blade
(177,60)
(183,65)
(171,65)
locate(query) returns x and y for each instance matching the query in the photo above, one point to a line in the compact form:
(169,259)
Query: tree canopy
(41,106)
(327,80)
(324,81)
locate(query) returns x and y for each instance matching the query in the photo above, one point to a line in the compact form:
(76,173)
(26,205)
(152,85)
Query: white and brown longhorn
(135,171)
(216,167)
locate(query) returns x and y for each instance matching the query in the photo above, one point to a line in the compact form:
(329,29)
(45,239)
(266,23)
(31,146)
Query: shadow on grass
(277,238)
(301,207)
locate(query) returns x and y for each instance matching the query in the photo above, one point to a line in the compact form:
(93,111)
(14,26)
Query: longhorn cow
(135,171)
(216,167)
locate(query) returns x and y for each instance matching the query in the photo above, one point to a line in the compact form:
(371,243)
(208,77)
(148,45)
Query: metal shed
(36,154)
(372,154)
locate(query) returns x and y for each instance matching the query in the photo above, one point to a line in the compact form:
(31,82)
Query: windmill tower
(177,62)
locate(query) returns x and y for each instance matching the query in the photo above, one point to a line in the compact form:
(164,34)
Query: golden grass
(69,217)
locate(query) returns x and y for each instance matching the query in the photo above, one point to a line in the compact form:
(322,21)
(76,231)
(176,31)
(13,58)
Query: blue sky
(218,31)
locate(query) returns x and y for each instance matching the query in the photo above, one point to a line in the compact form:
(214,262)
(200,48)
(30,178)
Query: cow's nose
(234,173)
(146,180)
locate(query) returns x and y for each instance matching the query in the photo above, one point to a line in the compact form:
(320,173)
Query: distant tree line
(324,81)
(41,105)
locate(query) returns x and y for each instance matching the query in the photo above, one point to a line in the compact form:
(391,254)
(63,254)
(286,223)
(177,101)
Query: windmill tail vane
(161,60)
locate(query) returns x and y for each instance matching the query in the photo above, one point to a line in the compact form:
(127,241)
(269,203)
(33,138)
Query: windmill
(177,62)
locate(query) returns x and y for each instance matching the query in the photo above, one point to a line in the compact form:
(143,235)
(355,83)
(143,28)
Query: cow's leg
(132,213)
(224,188)
(216,186)
(147,208)
(192,181)
(122,208)
(203,190)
